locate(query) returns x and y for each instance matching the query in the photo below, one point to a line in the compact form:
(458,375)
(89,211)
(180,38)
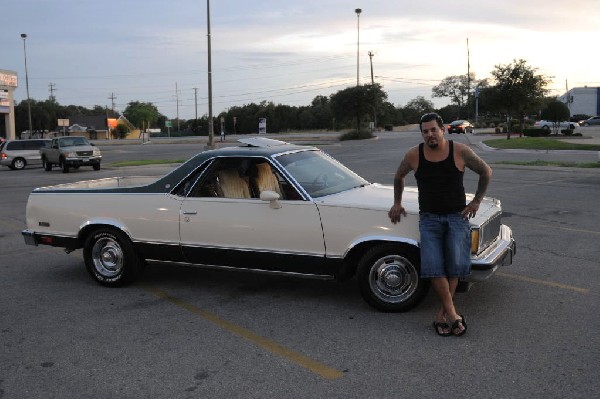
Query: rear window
(14,146)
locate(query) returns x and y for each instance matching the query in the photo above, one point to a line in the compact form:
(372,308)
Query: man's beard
(432,145)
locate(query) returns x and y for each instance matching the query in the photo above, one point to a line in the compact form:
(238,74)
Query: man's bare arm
(478,165)
(397,210)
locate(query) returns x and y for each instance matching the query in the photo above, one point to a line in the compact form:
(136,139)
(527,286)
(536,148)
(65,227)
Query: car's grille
(490,230)
(85,153)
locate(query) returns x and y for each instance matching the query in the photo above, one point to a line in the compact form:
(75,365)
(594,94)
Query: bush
(388,128)
(536,132)
(354,135)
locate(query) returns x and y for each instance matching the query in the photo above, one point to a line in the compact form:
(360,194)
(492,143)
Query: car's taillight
(3,156)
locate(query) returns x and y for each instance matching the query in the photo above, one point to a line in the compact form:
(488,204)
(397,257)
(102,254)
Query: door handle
(190,212)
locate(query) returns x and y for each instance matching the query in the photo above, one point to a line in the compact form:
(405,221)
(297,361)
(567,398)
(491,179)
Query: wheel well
(89,229)
(350,264)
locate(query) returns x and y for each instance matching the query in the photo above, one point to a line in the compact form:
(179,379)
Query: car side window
(235,177)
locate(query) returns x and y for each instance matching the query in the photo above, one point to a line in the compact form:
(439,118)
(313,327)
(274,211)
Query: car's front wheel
(96,166)
(64,166)
(388,278)
(110,257)
(47,165)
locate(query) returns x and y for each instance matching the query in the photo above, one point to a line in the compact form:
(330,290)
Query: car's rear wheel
(47,165)
(19,163)
(110,258)
(546,127)
(388,278)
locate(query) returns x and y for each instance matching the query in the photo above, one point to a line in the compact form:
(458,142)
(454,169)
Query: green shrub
(354,135)
(532,132)
(388,128)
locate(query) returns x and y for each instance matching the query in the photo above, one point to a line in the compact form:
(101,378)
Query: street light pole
(211,132)
(357,11)
(24,36)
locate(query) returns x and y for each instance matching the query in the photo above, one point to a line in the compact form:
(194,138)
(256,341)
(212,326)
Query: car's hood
(80,148)
(381,197)
(372,196)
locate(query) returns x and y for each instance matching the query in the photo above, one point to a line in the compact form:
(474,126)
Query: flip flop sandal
(440,327)
(455,326)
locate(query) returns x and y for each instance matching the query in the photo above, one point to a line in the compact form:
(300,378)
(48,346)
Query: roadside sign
(168,124)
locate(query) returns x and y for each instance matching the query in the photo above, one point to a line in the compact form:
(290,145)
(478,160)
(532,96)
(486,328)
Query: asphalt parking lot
(185,332)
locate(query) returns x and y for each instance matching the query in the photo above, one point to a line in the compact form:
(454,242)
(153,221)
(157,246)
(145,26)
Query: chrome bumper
(500,253)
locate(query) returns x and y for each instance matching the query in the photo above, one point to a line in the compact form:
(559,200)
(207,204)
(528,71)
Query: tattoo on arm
(402,171)
(478,165)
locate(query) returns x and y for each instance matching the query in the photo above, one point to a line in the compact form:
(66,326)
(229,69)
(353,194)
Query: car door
(224,222)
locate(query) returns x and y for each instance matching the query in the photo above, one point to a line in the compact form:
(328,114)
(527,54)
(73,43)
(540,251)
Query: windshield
(72,141)
(319,174)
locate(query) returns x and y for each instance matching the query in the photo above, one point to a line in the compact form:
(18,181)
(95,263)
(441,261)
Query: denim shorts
(445,245)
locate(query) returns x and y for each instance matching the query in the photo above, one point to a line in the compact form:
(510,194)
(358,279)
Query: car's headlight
(71,154)
(96,152)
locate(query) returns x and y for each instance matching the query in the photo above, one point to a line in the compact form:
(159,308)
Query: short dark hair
(431,116)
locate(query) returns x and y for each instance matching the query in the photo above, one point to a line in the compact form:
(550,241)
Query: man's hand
(470,210)
(395,212)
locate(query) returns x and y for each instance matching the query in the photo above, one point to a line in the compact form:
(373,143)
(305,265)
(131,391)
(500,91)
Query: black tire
(96,166)
(64,166)
(19,163)
(546,127)
(47,165)
(388,278)
(110,258)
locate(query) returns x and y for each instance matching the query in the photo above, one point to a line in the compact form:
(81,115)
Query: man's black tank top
(440,184)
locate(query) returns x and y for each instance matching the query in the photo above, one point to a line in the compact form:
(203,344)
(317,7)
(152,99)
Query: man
(439,166)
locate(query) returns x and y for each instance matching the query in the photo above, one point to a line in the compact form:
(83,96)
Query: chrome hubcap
(393,278)
(108,257)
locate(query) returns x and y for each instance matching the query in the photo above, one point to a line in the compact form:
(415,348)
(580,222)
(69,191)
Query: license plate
(85,160)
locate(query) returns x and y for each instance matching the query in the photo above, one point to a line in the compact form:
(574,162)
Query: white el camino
(265,206)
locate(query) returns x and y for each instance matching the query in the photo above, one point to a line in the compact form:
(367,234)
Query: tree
(141,114)
(415,108)
(556,112)
(457,87)
(518,90)
(357,102)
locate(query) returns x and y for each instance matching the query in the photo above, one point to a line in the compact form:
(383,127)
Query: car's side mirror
(272,197)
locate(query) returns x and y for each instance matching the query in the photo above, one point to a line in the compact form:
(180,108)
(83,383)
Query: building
(8,84)
(582,100)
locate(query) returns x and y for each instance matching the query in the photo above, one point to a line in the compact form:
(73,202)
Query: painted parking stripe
(265,343)
(543,282)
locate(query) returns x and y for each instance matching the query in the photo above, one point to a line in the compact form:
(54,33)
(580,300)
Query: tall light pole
(211,131)
(357,11)
(24,36)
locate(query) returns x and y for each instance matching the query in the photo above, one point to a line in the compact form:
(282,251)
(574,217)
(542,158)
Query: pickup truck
(266,206)
(70,152)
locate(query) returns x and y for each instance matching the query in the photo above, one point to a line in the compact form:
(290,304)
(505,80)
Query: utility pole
(468,77)
(177,99)
(211,132)
(196,101)
(371,60)
(52,90)
(112,98)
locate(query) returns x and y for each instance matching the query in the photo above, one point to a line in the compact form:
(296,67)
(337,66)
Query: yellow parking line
(265,343)
(543,282)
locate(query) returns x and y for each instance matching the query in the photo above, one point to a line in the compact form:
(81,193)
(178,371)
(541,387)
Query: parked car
(460,126)
(17,154)
(265,206)
(594,120)
(71,152)
(544,124)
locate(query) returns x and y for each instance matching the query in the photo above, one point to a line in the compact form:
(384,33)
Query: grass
(539,162)
(144,162)
(539,143)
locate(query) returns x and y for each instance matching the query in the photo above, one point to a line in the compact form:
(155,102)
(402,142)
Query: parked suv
(16,154)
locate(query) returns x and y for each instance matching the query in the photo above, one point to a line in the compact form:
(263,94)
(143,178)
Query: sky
(285,51)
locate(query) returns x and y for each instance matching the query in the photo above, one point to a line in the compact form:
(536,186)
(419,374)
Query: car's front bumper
(500,253)
(85,161)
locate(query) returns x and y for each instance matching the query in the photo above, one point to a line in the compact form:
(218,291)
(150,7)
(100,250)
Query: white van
(16,154)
